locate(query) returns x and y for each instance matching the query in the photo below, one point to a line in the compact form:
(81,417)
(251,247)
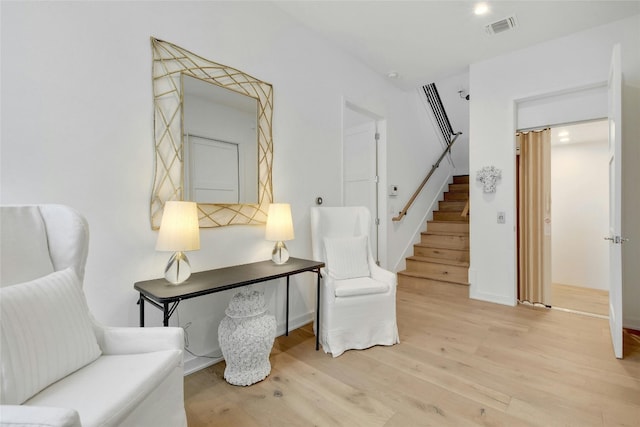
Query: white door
(614,237)
(360,173)
(213,175)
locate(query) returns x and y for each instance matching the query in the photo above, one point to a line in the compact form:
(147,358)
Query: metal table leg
(287,321)
(166,315)
(318,315)
(141,304)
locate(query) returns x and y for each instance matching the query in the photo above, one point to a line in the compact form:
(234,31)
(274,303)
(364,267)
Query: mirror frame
(169,62)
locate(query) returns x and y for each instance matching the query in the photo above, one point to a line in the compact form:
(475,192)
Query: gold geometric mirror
(170,63)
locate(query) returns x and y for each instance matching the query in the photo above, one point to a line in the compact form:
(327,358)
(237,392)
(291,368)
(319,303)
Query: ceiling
(581,133)
(427,40)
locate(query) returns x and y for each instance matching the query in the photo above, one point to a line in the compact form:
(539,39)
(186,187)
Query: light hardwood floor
(586,300)
(460,362)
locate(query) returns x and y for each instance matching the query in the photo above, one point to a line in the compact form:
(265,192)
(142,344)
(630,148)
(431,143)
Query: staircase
(442,256)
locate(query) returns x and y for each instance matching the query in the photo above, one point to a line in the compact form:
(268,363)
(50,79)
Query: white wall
(579,60)
(77,129)
(407,168)
(415,162)
(588,103)
(579,214)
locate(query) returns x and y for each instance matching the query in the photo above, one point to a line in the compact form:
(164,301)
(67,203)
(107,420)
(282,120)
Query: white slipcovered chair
(58,366)
(357,298)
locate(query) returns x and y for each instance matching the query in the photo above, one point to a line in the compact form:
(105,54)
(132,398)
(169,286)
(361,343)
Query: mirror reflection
(220,143)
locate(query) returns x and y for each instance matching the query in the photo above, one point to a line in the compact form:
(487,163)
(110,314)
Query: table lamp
(279,229)
(179,232)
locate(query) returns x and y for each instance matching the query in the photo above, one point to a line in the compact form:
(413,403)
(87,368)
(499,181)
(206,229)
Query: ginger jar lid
(246,304)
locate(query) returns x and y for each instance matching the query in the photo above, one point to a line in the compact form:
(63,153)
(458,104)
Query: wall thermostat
(393,190)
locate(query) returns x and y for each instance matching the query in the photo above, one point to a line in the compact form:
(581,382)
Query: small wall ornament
(488,176)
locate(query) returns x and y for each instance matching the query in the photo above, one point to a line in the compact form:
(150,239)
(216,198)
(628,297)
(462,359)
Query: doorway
(580,217)
(363,156)
(583,104)
(575,216)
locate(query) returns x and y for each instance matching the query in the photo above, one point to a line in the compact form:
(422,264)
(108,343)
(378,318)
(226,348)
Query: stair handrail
(404,210)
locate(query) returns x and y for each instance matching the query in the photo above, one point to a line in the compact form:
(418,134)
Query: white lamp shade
(279,223)
(179,229)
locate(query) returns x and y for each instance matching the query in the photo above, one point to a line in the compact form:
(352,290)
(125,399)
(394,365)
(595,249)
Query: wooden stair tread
(447,224)
(450,211)
(435,221)
(445,233)
(444,261)
(461,179)
(451,205)
(451,218)
(447,227)
(459,188)
(456,196)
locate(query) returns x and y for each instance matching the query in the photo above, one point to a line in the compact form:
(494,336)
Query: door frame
(381,160)
(604,84)
(614,108)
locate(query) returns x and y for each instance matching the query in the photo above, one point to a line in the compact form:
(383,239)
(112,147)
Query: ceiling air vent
(502,25)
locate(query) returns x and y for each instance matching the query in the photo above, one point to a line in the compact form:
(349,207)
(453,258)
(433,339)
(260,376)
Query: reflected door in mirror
(212,172)
(221,144)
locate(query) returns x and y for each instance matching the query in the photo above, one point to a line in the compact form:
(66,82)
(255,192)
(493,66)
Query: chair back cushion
(346,257)
(349,221)
(46,333)
(23,245)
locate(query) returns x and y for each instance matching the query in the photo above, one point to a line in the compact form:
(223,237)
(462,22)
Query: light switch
(501,218)
(393,190)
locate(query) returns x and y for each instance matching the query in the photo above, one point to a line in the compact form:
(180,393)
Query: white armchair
(358,298)
(58,366)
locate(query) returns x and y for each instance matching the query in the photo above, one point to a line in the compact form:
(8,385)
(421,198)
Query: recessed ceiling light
(563,133)
(393,74)
(481,9)
(565,139)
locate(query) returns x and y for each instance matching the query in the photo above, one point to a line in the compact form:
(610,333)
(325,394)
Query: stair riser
(459,188)
(451,206)
(439,253)
(456,196)
(439,227)
(449,216)
(461,179)
(446,242)
(418,283)
(440,271)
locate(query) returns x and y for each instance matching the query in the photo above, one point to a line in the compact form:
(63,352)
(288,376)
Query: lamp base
(280,253)
(178,268)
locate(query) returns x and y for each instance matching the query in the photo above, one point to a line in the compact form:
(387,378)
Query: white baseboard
(197,363)
(631,323)
(496,299)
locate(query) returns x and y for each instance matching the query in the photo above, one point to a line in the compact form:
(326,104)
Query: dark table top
(207,282)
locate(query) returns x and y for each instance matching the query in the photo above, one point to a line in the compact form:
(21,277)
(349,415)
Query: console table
(166,297)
